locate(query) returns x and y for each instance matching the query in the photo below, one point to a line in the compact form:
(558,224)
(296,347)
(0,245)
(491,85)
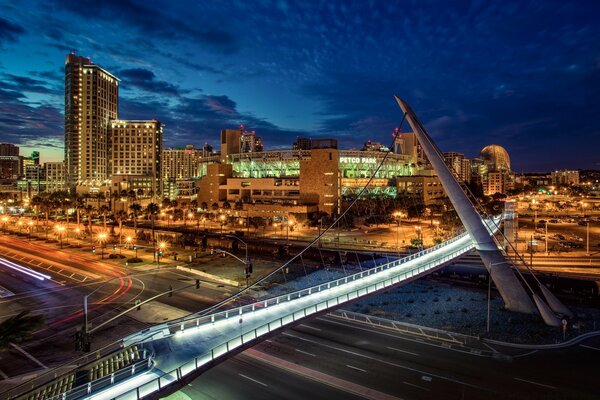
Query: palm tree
(89,212)
(120,216)
(19,327)
(226,205)
(104,209)
(79,205)
(135,210)
(152,209)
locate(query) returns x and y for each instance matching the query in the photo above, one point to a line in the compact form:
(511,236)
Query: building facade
(565,177)
(136,150)
(91,102)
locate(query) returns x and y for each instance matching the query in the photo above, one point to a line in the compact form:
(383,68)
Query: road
(60,300)
(358,358)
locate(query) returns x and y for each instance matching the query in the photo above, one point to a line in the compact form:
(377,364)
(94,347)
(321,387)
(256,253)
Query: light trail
(24,270)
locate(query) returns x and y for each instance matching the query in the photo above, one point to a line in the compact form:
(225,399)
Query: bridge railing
(177,374)
(193,321)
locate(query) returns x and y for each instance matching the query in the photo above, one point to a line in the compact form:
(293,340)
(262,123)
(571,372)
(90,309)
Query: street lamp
(246,261)
(398,215)
(102,240)
(222,219)
(60,229)
(160,250)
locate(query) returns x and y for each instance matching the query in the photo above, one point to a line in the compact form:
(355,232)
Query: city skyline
(286,71)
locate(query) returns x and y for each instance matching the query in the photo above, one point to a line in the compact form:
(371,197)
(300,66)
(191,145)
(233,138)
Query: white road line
(589,347)
(403,351)
(32,358)
(385,362)
(310,327)
(417,386)
(307,353)
(253,380)
(535,383)
(356,368)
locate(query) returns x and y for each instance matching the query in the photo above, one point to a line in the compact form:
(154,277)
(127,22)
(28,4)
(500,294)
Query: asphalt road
(397,365)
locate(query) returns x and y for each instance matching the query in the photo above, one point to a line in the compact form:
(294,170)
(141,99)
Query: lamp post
(60,229)
(102,240)
(398,215)
(587,238)
(159,252)
(546,237)
(222,219)
(246,261)
(29,229)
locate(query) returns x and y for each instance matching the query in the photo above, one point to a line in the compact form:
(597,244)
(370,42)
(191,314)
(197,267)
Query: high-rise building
(250,143)
(10,167)
(565,177)
(230,142)
(407,144)
(91,102)
(55,176)
(374,146)
(181,163)
(136,151)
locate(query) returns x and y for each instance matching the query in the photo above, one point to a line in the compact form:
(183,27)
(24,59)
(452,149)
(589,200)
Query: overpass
(161,359)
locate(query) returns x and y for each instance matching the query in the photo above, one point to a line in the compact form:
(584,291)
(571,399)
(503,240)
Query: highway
(379,362)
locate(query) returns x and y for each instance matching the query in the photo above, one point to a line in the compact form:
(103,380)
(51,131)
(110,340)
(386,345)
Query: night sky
(524,75)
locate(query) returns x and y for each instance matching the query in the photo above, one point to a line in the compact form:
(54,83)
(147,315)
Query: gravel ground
(451,307)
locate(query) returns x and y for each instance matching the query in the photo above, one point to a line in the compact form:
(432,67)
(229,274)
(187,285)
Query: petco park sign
(358,160)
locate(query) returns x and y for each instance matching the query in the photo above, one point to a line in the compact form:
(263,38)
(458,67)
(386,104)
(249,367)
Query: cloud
(9,31)
(155,22)
(146,80)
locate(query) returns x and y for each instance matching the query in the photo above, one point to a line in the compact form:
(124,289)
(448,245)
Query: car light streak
(24,270)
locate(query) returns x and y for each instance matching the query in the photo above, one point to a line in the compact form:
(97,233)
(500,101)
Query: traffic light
(114,247)
(160,253)
(135,246)
(93,249)
(212,251)
(249,268)
(197,283)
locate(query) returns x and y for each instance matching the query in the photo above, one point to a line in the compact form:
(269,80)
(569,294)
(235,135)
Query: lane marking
(356,368)
(589,347)
(307,353)
(403,351)
(310,327)
(535,383)
(388,362)
(417,386)
(406,337)
(32,358)
(253,380)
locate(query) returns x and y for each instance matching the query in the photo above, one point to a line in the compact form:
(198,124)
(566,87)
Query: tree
(135,211)
(226,205)
(104,209)
(204,206)
(18,328)
(120,216)
(89,212)
(152,209)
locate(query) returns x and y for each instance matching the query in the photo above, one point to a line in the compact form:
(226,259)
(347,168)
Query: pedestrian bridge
(178,351)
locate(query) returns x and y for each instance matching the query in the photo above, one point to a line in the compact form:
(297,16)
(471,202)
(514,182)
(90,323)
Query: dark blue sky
(525,75)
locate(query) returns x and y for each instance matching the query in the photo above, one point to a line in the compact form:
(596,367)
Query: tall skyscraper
(91,101)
